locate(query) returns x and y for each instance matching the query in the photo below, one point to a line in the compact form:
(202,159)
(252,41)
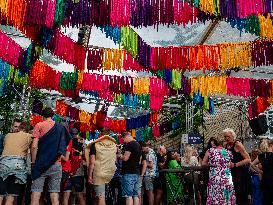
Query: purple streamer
(137,13)
(268,6)
(262,53)
(144,53)
(100,12)
(35,13)
(260,88)
(228,8)
(77,13)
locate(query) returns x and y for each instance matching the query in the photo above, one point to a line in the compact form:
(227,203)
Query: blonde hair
(188,153)
(264,145)
(231,131)
(254,154)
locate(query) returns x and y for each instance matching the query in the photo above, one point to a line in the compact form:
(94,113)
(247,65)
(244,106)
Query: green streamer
(217,8)
(194,3)
(115,98)
(139,101)
(147,134)
(122,99)
(253,25)
(115,136)
(206,103)
(87,134)
(176,79)
(20,78)
(146,100)
(69,81)
(11,71)
(160,73)
(29,55)
(59,12)
(129,40)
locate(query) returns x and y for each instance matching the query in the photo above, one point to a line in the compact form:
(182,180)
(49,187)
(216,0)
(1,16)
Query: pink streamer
(154,58)
(129,63)
(120,12)
(51,6)
(238,87)
(158,90)
(10,51)
(183,12)
(68,50)
(249,7)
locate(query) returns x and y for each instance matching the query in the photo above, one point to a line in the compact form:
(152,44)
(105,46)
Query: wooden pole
(209,31)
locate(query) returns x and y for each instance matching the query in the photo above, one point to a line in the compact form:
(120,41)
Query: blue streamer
(139,135)
(46,36)
(4,75)
(211,106)
(112,32)
(167,75)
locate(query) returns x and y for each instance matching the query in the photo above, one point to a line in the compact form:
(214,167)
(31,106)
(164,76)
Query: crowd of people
(52,164)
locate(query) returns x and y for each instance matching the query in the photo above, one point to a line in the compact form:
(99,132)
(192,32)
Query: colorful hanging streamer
(10,51)
(68,50)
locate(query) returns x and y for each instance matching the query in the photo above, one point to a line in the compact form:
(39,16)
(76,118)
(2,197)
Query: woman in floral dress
(220,186)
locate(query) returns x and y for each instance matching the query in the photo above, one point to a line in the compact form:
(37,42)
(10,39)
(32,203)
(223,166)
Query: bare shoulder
(239,144)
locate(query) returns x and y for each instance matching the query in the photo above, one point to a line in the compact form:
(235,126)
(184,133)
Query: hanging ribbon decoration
(244,87)
(68,50)
(10,51)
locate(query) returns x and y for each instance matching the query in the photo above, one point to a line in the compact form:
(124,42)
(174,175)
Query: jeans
(131,185)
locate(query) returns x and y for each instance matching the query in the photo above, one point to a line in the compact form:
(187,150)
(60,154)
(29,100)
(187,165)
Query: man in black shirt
(131,184)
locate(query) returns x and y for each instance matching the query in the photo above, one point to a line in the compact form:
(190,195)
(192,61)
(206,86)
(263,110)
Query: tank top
(237,157)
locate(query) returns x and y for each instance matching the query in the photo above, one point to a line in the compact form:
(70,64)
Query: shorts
(75,183)
(149,183)
(54,177)
(99,190)
(8,187)
(131,185)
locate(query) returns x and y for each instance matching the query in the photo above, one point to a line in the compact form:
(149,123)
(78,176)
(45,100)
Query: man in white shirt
(150,171)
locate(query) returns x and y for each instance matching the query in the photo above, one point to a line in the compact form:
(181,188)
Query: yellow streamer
(4,7)
(208,85)
(84,117)
(134,133)
(210,6)
(141,86)
(113,59)
(235,55)
(80,79)
(266,27)
(194,85)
